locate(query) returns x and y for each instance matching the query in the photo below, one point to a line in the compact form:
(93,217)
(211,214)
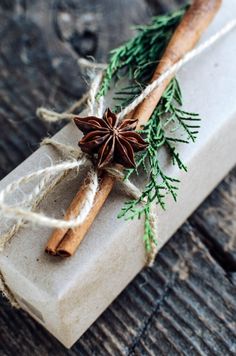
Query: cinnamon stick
(189,31)
(185,37)
(57,245)
(73,237)
(71,213)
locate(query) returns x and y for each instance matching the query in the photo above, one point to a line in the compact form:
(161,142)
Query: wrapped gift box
(67,295)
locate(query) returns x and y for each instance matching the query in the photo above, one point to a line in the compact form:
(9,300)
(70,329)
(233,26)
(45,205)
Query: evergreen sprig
(158,137)
(138,57)
(168,126)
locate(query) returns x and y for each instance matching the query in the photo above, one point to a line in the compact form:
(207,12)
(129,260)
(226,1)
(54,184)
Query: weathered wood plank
(39,61)
(217,220)
(186,304)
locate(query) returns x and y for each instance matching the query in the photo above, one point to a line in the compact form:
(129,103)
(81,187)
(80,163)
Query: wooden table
(185,304)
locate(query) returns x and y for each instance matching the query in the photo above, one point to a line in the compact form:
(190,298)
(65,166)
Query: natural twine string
(95,107)
(174,68)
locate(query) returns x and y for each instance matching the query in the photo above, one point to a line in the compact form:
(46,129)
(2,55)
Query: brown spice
(109,140)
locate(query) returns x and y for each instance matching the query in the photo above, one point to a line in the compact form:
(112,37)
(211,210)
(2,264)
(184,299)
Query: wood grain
(186,304)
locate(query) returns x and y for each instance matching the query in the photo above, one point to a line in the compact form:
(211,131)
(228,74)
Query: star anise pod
(110,141)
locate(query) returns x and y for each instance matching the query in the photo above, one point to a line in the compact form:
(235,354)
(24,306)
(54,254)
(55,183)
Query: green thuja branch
(159,136)
(168,126)
(137,58)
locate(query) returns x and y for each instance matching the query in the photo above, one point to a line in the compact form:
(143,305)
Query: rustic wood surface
(185,304)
